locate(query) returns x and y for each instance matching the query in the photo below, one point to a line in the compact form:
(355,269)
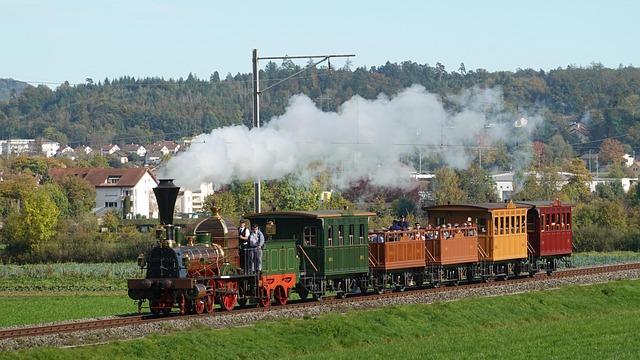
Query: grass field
(592,322)
(40,308)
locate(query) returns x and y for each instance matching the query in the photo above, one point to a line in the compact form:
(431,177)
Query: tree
(531,190)
(447,187)
(577,188)
(610,191)
(611,151)
(59,198)
(31,226)
(478,184)
(80,193)
(225,202)
(403,207)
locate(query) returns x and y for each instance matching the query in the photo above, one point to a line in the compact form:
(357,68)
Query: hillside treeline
(141,110)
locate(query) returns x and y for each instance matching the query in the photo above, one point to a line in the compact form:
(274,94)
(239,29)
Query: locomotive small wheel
(265,297)
(208,304)
(281,295)
(199,306)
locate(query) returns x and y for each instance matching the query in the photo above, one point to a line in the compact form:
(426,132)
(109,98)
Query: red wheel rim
(200,306)
(208,304)
(265,297)
(281,295)
(229,300)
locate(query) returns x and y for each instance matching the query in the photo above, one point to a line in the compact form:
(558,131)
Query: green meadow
(578,322)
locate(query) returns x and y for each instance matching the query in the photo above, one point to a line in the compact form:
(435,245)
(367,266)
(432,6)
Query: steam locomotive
(312,253)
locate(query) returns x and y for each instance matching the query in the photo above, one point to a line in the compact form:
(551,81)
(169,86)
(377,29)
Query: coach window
(501,225)
(340,235)
(330,235)
(351,231)
(361,234)
(496,226)
(523,222)
(310,235)
(517,224)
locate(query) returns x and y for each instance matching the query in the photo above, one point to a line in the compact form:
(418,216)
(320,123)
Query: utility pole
(257,92)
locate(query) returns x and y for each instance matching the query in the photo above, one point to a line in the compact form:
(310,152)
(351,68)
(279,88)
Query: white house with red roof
(108,149)
(117,188)
(165,147)
(134,149)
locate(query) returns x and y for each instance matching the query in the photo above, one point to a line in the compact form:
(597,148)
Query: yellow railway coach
(502,227)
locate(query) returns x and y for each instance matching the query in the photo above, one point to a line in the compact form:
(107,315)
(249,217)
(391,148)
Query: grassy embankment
(592,322)
(52,292)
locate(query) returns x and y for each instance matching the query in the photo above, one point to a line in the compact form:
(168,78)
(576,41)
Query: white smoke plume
(364,139)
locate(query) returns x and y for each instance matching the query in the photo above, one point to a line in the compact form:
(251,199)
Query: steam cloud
(364,139)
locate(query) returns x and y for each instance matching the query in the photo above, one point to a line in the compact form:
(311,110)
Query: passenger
(243,244)
(419,232)
(380,239)
(256,243)
(404,225)
(394,226)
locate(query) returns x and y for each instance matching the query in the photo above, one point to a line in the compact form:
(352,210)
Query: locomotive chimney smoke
(365,139)
(166,194)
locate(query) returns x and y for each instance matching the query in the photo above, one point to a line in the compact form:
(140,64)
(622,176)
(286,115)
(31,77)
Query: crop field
(591,322)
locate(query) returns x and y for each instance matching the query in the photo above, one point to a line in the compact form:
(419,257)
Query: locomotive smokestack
(166,195)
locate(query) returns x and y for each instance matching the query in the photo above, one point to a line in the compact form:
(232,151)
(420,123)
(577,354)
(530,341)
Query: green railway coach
(331,246)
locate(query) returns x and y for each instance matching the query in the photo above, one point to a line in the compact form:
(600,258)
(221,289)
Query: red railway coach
(549,228)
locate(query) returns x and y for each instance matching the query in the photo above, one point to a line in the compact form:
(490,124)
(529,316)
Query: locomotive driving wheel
(208,304)
(228,300)
(182,303)
(199,306)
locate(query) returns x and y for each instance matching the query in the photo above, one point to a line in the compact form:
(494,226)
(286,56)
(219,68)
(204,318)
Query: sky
(55,41)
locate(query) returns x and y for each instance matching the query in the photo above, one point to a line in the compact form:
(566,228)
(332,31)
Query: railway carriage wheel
(281,295)
(302,291)
(228,300)
(265,296)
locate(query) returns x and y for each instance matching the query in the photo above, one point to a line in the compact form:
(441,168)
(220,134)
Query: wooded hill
(143,110)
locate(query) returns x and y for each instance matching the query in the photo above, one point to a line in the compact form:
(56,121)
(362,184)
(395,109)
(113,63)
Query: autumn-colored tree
(32,224)
(577,188)
(611,150)
(80,193)
(447,187)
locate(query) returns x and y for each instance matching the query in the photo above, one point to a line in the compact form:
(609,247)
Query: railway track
(146,319)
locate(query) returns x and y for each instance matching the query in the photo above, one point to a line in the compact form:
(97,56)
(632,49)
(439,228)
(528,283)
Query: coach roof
(320,214)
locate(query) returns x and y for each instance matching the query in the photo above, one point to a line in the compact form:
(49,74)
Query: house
(580,130)
(48,148)
(625,182)
(153,158)
(121,156)
(135,149)
(128,191)
(83,150)
(67,152)
(635,168)
(628,160)
(165,147)
(193,201)
(17,146)
(108,149)
(504,185)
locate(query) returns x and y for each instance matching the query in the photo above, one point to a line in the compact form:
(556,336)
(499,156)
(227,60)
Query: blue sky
(54,41)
